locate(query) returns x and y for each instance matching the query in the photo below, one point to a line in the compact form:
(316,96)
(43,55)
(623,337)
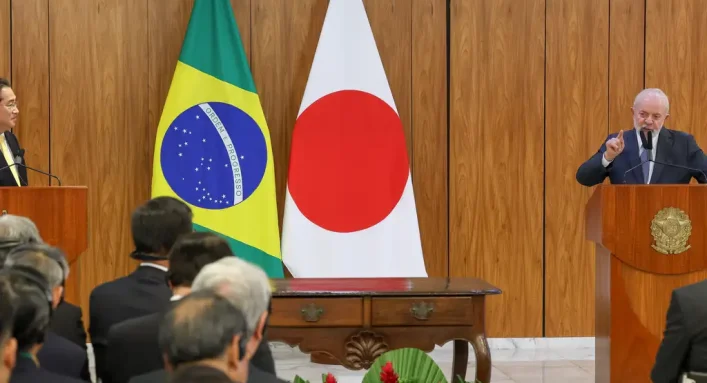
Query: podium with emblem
(645,248)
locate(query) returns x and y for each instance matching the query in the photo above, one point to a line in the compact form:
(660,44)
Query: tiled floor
(551,365)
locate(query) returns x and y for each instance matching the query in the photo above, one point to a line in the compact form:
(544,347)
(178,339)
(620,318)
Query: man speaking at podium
(649,153)
(9,146)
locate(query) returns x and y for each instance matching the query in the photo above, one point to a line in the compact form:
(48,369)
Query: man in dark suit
(67,322)
(684,345)
(8,344)
(626,157)
(156,226)
(9,146)
(33,298)
(139,335)
(57,354)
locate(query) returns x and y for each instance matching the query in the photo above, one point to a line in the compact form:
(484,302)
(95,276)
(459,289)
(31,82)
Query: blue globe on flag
(214,155)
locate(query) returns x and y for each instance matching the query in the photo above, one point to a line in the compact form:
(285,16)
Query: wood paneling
(429,130)
(30,81)
(676,61)
(5,39)
(496,156)
(284,37)
(576,123)
(99,122)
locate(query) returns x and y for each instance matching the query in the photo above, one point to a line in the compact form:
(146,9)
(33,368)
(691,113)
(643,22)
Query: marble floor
(521,361)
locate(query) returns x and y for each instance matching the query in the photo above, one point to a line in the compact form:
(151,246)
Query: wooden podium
(61,216)
(633,227)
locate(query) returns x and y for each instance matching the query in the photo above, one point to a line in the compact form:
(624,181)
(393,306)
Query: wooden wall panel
(284,36)
(99,122)
(676,61)
(30,80)
(5,39)
(576,124)
(429,130)
(496,156)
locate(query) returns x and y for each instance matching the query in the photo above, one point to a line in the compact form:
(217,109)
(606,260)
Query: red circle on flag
(349,163)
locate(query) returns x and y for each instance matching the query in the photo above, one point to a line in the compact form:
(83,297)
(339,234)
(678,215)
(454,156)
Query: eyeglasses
(12,105)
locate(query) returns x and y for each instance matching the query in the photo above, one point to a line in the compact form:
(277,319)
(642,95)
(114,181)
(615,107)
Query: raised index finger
(621,136)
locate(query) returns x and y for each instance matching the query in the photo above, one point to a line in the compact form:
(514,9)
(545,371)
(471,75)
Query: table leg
(483,358)
(460,359)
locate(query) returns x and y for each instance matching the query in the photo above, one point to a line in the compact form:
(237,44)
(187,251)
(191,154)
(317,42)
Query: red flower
(330,378)
(388,375)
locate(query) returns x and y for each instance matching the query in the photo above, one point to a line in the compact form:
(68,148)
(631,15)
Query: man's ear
(257,337)
(167,366)
(57,293)
(9,353)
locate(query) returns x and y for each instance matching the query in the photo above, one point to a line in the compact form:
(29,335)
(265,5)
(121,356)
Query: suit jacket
(143,292)
(673,147)
(255,375)
(61,356)
(138,336)
(67,321)
(26,371)
(6,177)
(684,345)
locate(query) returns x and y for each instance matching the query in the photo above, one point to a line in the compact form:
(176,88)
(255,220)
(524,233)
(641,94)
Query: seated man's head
(246,286)
(157,225)
(32,298)
(189,255)
(14,231)
(47,261)
(8,344)
(204,328)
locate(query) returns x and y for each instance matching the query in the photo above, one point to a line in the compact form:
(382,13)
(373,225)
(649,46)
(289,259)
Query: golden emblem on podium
(671,228)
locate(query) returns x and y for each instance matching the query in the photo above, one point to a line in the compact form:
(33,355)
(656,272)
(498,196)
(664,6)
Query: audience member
(155,226)
(8,344)
(58,354)
(139,335)
(247,287)
(204,328)
(684,345)
(32,297)
(197,373)
(67,318)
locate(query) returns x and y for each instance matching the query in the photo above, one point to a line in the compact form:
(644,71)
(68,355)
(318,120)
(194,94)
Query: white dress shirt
(606,162)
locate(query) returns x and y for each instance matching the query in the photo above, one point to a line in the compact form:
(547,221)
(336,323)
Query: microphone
(704,176)
(30,168)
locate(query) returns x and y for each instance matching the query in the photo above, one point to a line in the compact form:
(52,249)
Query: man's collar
(156,266)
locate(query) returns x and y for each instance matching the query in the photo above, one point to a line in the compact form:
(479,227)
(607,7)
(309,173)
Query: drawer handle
(422,311)
(312,313)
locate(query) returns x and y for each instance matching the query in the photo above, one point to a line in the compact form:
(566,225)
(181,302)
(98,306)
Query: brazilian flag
(213,147)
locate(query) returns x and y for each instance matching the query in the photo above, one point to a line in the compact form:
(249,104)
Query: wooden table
(356,320)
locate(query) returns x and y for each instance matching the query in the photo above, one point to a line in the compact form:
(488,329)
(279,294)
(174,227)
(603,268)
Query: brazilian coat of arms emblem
(671,228)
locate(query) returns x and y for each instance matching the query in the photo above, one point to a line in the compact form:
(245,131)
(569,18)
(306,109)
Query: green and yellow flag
(213,146)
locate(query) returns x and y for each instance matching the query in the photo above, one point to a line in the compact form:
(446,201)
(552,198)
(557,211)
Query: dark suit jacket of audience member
(684,345)
(138,336)
(255,375)
(61,356)
(26,371)
(143,292)
(67,322)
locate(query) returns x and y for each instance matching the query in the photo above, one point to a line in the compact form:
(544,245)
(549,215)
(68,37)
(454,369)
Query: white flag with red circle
(350,209)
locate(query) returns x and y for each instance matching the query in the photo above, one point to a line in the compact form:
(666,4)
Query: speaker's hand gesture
(614,147)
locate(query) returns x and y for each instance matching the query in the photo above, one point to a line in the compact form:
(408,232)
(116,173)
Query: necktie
(646,165)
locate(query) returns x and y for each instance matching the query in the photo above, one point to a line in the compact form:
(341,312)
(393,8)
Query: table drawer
(423,311)
(317,312)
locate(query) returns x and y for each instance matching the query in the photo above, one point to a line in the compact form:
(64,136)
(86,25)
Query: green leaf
(300,380)
(324,378)
(410,364)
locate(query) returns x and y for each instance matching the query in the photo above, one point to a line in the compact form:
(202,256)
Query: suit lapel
(664,147)
(631,150)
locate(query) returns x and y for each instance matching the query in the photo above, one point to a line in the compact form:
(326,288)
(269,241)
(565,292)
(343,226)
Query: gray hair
(48,261)
(14,231)
(645,93)
(245,285)
(201,326)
